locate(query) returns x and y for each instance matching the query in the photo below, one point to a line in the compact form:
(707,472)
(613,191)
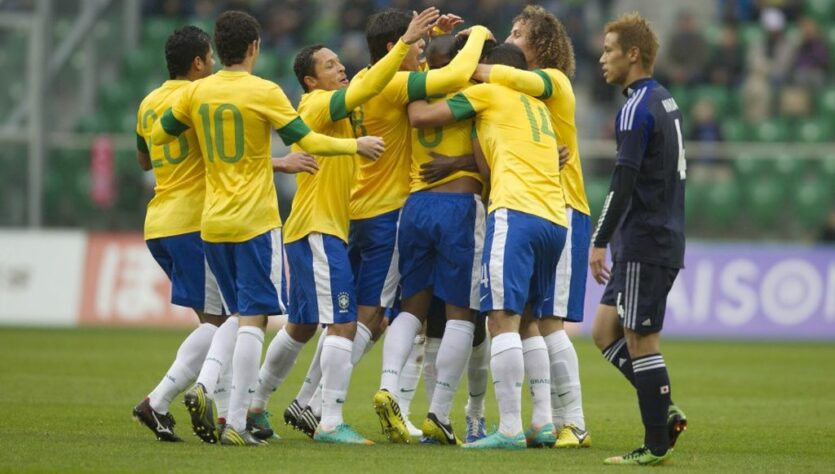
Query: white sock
(362,339)
(281,357)
(508,367)
(477,371)
(538,372)
(219,355)
(314,373)
(565,381)
(453,355)
(184,369)
(410,376)
(399,339)
(244,374)
(315,402)
(430,373)
(222,392)
(336,375)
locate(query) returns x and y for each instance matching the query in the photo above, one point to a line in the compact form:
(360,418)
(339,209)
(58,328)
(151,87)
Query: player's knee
(301,332)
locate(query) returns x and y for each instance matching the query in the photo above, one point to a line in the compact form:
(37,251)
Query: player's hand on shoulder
(446,23)
(597,263)
(467,32)
(296,162)
(482,73)
(420,25)
(565,154)
(371,147)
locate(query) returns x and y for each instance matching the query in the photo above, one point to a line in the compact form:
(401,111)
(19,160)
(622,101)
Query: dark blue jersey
(650,141)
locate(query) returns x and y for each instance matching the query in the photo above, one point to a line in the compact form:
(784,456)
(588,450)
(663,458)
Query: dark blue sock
(653,386)
(618,355)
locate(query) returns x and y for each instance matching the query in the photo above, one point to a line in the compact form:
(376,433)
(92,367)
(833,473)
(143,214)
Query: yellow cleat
(438,432)
(390,418)
(573,437)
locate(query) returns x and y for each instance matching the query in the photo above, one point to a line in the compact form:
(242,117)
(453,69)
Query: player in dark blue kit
(643,220)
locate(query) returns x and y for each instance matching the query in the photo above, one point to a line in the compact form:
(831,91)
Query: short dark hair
(305,65)
(443,48)
(234,32)
(507,54)
(383,28)
(182,47)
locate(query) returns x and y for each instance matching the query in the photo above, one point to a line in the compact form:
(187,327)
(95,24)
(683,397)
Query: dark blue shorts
(639,292)
(372,247)
(192,283)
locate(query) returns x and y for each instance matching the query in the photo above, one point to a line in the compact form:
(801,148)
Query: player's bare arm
(442,166)
(296,162)
(565,155)
(422,114)
(371,147)
(421,24)
(144,160)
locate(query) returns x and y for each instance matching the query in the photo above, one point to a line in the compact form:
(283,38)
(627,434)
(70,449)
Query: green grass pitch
(66,397)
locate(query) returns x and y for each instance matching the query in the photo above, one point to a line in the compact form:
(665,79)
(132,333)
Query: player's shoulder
(316,98)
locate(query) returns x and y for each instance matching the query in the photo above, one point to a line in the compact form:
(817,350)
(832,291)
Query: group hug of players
(439,187)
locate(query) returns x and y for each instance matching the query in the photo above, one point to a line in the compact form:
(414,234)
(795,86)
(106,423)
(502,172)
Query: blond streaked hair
(634,31)
(546,34)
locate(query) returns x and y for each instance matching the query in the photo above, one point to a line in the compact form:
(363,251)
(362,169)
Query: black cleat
(292,414)
(676,423)
(308,422)
(162,425)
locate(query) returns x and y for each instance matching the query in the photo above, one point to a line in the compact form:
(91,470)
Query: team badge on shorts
(344,301)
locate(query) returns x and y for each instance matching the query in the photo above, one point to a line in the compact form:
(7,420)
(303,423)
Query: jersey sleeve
(466,104)
(175,120)
(534,83)
(315,108)
(366,86)
(634,128)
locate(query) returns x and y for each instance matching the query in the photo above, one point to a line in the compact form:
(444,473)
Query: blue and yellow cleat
(391,420)
(259,425)
(439,432)
(639,457)
(571,436)
(342,434)
(542,437)
(202,411)
(476,429)
(676,423)
(498,440)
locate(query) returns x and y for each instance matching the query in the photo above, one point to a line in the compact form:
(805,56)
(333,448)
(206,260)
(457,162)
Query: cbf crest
(344,302)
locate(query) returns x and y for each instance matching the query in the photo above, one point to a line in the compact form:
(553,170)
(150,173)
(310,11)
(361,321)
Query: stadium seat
(771,130)
(748,167)
(719,96)
(789,167)
(722,202)
(811,202)
(683,97)
(92,123)
(267,67)
(138,62)
(750,33)
(764,200)
(157,30)
(821,10)
(826,103)
(734,130)
(814,130)
(596,189)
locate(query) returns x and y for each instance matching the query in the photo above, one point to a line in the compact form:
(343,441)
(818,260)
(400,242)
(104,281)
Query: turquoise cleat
(342,434)
(543,437)
(498,440)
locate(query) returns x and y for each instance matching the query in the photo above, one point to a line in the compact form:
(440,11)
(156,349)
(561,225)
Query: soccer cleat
(413,430)
(639,457)
(498,440)
(542,437)
(308,422)
(202,412)
(439,432)
(676,423)
(292,414)
(573,437)
(162,425)
(259,425)
(231,437)
(391,421)
(476,429)
(342,434)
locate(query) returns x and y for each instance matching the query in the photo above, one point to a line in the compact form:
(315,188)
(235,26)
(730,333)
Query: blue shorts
(192,283)
(321,282)
(440,242)
(521,252)
(372,249)
(572,269)
(639,292)
(250,274)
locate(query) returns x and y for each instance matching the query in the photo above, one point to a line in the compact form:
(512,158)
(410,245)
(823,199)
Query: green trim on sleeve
(417,86)
(293,131)
(171,125)
(461,107)
(549,86)
(473,133)
(141,145)
(338,107)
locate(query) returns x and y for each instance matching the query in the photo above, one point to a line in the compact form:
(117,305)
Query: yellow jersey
(383,185)
(233,114)
(321,200)
(553,87)
(178,169)
(455,139)
(515,134)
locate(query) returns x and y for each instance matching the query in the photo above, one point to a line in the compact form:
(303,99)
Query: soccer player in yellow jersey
(233,114)
(550,55)
(526,227)
(316,236)
(381,189)
(172,223)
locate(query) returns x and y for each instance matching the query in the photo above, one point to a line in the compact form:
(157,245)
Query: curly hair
(634,31)
(548,38)
(182,47)
(234,32)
